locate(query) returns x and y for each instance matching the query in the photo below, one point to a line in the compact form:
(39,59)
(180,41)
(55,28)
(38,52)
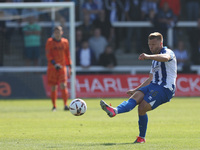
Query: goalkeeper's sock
(143,120)
(126,106)
(64,96)
(53,98)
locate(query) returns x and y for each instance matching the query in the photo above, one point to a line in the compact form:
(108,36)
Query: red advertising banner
(188,85)
(99,86)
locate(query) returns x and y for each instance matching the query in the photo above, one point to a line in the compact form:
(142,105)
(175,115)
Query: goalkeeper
(58,56)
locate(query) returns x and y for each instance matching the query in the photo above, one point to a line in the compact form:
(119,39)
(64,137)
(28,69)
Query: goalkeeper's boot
(53,109)
(66,108)
(139,140)
(111,112)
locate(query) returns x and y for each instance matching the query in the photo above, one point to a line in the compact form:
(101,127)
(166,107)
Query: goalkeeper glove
(57,66)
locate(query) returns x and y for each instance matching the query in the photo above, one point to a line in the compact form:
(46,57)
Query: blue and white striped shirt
(165,73)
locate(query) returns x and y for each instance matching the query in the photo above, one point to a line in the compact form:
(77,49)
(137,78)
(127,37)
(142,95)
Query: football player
(58,56)
(158,89)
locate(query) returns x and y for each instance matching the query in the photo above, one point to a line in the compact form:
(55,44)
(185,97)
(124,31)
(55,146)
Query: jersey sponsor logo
(58,47)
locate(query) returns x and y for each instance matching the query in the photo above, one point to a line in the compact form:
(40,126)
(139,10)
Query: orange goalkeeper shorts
(55,77)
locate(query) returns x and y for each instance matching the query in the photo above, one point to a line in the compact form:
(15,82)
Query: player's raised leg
(111,112)
(125,106)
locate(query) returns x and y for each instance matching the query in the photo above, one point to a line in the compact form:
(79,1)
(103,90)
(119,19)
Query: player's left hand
(57,66)
(143,56)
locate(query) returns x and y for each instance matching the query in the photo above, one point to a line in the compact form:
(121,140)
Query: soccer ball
(78,107)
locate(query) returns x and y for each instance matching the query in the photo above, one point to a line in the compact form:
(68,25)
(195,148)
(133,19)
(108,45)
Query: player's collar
(163,49)
(56,40)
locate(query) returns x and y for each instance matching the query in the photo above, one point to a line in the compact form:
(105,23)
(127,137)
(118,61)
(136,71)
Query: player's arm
(145,83)
(157,57)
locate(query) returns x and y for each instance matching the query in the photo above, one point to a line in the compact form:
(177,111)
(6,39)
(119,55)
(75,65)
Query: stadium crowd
(96,38)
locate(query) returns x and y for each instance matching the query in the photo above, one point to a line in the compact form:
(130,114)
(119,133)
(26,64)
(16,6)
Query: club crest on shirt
(156,68)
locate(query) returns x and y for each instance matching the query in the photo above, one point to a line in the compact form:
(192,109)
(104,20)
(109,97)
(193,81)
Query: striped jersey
(165,73)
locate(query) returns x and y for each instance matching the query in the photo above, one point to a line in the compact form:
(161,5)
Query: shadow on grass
(104,144)
(110,144)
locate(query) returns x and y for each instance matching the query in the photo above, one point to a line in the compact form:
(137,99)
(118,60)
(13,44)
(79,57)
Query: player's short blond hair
(58,28)
(156,35)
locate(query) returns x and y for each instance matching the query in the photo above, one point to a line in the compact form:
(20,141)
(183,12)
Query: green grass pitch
(30,125)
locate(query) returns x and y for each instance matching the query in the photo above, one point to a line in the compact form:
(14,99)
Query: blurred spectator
(107,58)
(164,20)
(132,13)
(194,38)
(85,56)
(115,11)
(90,8)
(79,39)
(174,5)
(192,9)
(100,4)
(149,9)
(133,10)
(104,24)
(152,18)
(146,7)
(181,54)
(97,43)
(86,27)
(32,41)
